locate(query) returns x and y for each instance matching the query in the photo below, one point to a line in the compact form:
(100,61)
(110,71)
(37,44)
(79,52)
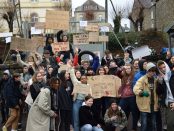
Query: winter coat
(143,103)
(40,112)
(86,116)
(121,121)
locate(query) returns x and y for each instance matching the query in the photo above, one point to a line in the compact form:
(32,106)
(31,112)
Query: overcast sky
(117,3)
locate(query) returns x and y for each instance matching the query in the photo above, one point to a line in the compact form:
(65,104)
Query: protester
(49,41)
(86,117)
(128,100)
(40,112)
(13,99)
(147,99)
(115,118)
(3,82)
(165,90)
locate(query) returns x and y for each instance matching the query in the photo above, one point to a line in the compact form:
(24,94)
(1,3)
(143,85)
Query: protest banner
(39,41)
(22,44)
(140,52)
(6,34)
(92,28)
(86,89)
(39,25)
(57,19)
(93,36)
(60,46)
(80,39)
(104,85)
(103,38)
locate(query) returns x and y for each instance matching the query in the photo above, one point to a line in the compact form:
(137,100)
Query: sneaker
(139,124)
(4,128)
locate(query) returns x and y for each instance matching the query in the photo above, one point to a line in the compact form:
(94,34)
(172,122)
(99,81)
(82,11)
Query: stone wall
(164,15)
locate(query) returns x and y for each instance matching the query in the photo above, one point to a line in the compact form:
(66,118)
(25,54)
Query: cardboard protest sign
(57,19)
(39,41)
(86,89)
(60,46)
(80,38)
(39,25)
(92,28)
(141,52)
(103,38)
(93,36)
(104,85)
(22,44)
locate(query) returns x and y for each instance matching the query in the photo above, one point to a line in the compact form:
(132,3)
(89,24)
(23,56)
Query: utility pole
(106,11)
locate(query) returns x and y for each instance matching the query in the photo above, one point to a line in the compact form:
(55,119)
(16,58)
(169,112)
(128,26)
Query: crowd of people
(146,93)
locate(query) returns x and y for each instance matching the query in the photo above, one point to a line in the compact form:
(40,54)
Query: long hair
(126,76)
(101,67)
(34,79)
(112,112)
(63,79)
(53,80)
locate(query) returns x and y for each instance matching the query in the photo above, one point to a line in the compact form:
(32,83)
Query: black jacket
(86,116)
(162,89)
(64,99)
(12,93)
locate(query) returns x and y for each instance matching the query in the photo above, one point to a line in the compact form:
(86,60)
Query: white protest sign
(35,31)
(8,39)
(6,34)
(83,23)
(104,29)
(141,52)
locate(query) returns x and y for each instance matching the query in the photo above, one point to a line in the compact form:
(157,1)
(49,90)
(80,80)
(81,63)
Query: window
(81,17)
(34,17)
(34,0)
(100,17)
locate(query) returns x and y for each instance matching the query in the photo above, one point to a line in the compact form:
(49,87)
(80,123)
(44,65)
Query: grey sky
(118,3)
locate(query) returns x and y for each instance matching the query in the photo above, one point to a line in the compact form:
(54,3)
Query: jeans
(76,106)
(88,127)
(148,121)
(129,105)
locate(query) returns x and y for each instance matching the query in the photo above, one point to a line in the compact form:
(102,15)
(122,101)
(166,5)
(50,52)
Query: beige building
(91,12)
(35,10)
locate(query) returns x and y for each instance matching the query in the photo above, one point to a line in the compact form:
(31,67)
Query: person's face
(25,69)
(85,65)
(67,76)
(78,74)
(30,59)
(50,70)
(5,76)
(89,102)
(172,59)
(106,69)
(144,65)
(50,40)
(136,65)
(56,85)
(17,78)
(162,68)
(114,106)
(83,79)
(126,55)
(101,71)
(151,72)
(128,69)
(39,77)
(90,72)
(65,38)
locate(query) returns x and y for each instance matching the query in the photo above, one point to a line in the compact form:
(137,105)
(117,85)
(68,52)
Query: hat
(46,52)
(149,66)
(113,101)
(16,74)
(6,72)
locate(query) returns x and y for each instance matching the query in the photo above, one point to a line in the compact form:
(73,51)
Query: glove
(145,93)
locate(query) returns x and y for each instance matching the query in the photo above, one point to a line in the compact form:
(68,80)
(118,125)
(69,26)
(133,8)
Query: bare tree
(8,10)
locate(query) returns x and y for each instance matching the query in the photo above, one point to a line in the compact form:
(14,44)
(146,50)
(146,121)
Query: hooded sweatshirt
(165,87)
(140,73)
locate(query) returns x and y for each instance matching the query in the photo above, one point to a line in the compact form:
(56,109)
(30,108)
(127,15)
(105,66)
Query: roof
(89,3)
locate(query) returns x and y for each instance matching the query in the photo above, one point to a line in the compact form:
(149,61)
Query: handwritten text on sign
(60,46)
(81,38)
(57,19)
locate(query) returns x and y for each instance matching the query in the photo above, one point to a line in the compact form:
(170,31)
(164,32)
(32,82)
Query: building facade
(91,12)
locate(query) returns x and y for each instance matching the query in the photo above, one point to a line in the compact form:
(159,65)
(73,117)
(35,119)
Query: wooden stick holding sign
(60,46)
